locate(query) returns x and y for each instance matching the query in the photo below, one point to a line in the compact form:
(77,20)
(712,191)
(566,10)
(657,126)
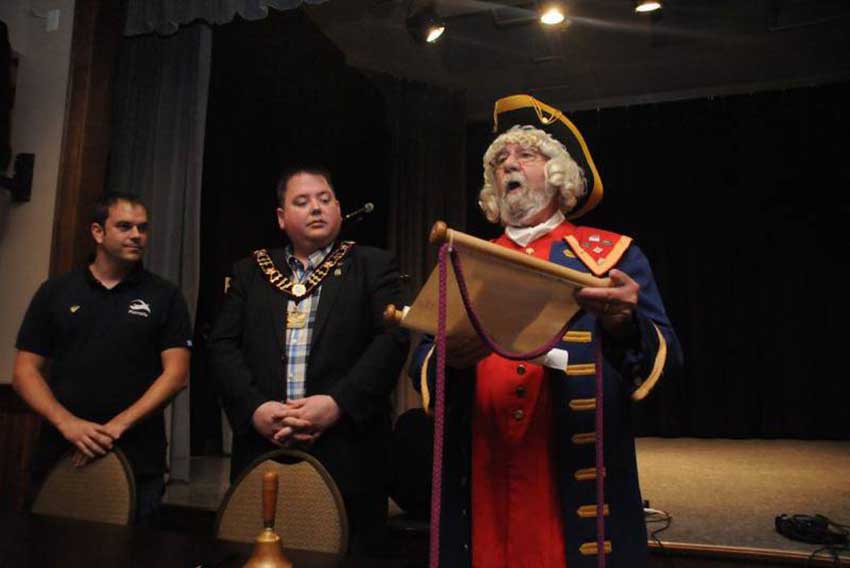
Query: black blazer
(354,357)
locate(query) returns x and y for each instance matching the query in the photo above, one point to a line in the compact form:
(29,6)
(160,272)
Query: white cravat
(524,235)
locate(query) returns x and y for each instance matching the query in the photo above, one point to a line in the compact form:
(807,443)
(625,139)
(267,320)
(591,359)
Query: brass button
(529,250)
(519,415)
(520,391)
(520,369)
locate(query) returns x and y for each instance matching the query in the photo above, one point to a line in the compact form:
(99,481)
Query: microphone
(367,208)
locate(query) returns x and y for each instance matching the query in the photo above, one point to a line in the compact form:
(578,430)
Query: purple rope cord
(439,413)
(485,337)
(439,402)
(600,456)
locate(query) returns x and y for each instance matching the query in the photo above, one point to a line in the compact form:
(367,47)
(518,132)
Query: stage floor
(723,493)
(728,492)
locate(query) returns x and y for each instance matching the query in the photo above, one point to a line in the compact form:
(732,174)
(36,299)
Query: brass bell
(268,548)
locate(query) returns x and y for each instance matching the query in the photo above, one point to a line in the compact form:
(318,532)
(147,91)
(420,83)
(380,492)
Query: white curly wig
(561,171)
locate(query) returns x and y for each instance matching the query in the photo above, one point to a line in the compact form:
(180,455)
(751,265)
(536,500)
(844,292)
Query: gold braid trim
(285,285)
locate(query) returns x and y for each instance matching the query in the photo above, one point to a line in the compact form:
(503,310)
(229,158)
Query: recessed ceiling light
(552,15)
(434,33)
(425,25)
(645,6)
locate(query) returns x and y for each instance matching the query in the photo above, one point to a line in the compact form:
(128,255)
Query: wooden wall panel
(18,432)
(85,148)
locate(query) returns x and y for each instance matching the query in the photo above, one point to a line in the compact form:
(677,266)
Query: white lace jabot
(524,235)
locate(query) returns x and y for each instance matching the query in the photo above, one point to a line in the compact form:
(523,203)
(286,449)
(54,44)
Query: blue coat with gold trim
(630,370)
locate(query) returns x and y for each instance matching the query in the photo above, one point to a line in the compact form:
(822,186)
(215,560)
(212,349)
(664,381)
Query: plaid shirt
(298,339)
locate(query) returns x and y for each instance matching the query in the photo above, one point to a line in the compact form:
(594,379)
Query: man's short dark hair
(100,208)
(291,173)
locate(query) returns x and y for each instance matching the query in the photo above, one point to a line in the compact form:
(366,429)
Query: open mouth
(512,185)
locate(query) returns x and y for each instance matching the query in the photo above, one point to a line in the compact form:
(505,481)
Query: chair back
(102,490)
(310,510)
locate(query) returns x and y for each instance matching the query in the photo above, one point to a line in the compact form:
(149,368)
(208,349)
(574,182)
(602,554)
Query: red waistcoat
(516,516)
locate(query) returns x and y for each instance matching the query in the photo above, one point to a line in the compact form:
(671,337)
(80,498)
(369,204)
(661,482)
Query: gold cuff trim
(657,368)
(578,337)
(423,382)
(604,265)
(589,511)
(581,369)
(590,548)
(584,438)
(587,474)
(582,404)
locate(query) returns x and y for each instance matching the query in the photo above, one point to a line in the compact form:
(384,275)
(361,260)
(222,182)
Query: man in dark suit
(302,358)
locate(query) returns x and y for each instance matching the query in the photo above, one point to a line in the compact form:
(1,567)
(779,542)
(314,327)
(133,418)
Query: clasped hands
(91,440)
(614,306)
(300,420)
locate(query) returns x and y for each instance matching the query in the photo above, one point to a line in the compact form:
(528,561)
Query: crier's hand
(615,305)
(305,419)
(90,438)
(463,352)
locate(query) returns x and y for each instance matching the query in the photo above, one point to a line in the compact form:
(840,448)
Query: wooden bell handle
(269,498)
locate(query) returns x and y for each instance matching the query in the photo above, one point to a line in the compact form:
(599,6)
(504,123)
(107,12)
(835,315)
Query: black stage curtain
(740,203)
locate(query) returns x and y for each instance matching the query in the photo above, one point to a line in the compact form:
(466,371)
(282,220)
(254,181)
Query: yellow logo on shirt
(74,308)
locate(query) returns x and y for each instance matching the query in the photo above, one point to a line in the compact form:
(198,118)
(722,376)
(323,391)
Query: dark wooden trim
(85,147)
(19,428)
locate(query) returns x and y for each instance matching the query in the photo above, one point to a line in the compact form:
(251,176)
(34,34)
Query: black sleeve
(36,332)
(370,381)
(233,380)
(176,330)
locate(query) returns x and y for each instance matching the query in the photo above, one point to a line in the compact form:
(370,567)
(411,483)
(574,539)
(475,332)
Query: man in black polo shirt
(117,338)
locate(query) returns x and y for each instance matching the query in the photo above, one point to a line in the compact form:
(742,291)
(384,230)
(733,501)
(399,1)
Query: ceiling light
(552,15)
(425,26)
(646,6)
(434,33)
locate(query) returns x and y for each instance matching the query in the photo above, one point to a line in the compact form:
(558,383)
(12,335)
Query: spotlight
(646,6)
(551,15)
(426,26)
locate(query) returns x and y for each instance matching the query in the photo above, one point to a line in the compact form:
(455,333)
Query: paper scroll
(522,301)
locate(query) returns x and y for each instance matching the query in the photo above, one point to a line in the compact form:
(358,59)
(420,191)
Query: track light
(646,6)
(551,14)
(425,26)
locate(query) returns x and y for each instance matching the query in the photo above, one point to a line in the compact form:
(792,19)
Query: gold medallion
(296,319)
(299,290)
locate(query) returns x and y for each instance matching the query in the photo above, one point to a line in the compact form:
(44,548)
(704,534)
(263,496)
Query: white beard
(520,205)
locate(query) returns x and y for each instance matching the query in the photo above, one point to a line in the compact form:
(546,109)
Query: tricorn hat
(527,111)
